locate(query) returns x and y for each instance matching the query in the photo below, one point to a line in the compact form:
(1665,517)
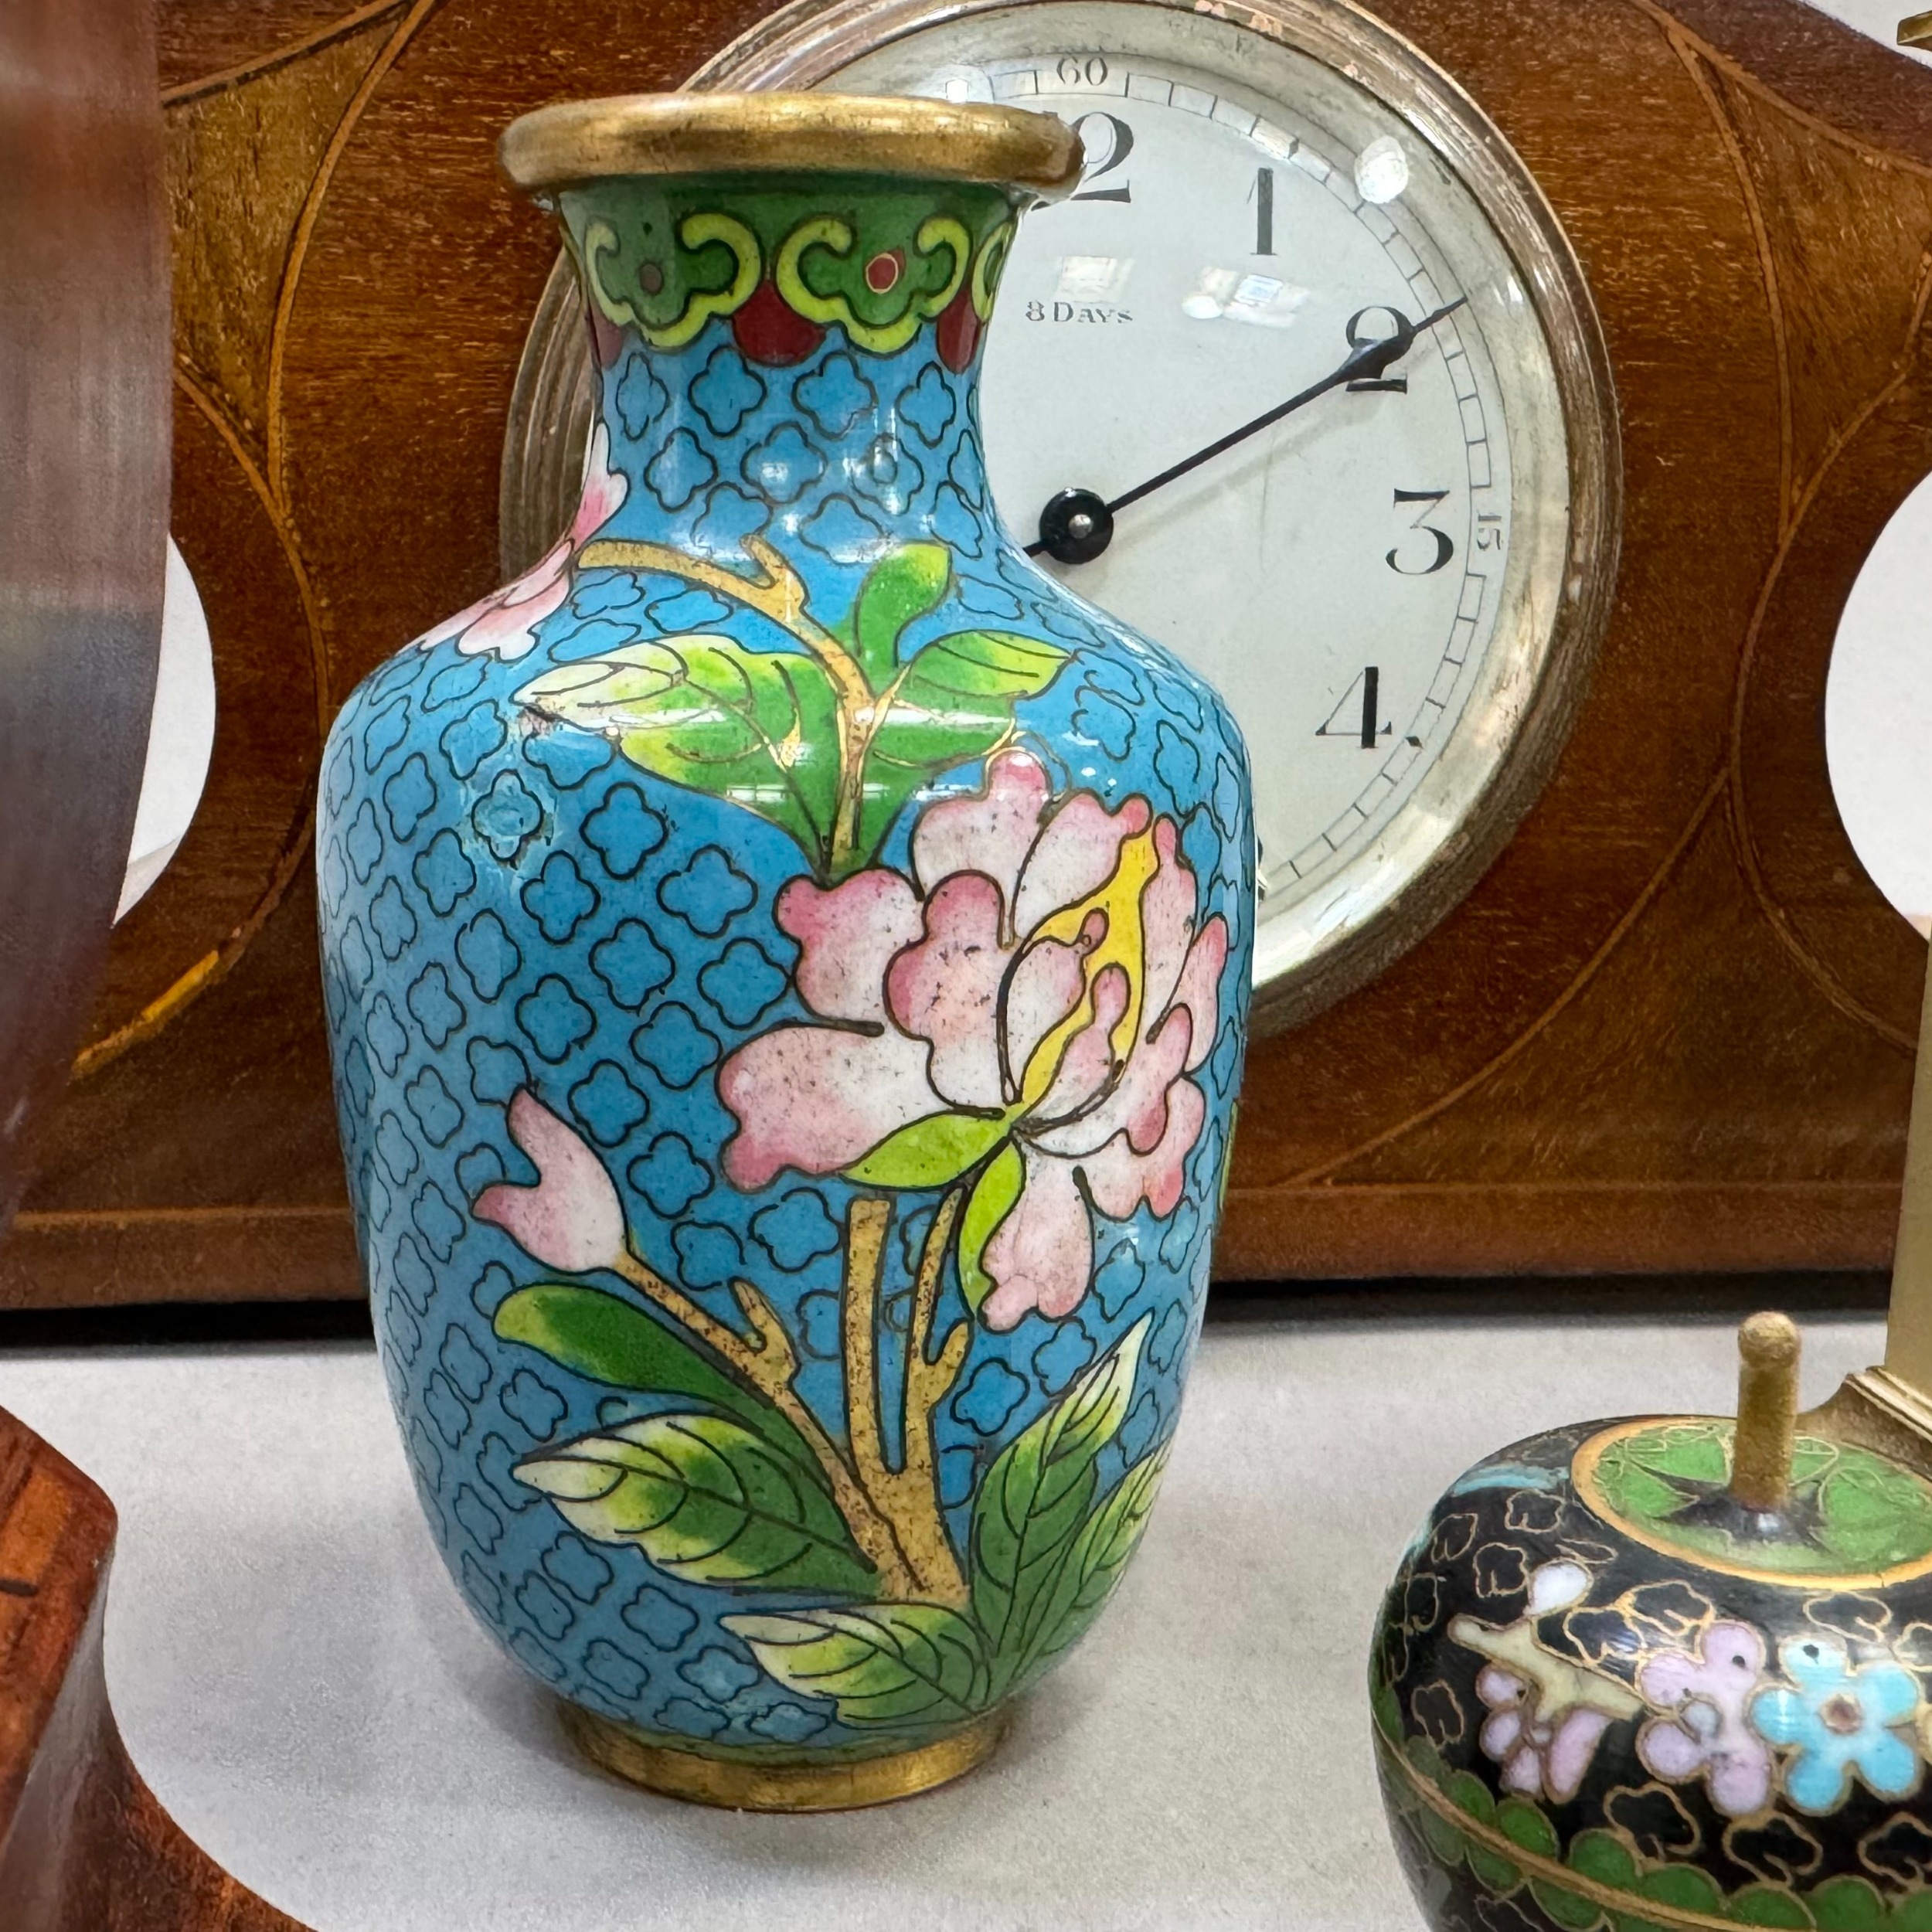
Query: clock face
(1374,579)
(1398,581)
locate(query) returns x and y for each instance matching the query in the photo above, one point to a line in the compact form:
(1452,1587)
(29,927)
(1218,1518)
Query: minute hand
(1370,360)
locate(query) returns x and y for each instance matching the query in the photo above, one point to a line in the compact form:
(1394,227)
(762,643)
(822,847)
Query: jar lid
(708,134)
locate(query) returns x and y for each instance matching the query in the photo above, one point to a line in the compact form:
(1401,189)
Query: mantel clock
(1499,407)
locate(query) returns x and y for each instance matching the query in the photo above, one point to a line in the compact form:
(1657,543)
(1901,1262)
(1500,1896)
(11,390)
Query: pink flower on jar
(1540,1752)
(504,624)
(571,1219)
(1018,1018)
(1708,1733)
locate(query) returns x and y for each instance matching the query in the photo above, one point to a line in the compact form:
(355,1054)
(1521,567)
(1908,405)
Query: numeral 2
(1445,546)
(1120,144)
(1358,338)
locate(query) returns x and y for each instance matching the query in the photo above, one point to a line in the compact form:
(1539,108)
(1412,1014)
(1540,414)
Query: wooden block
(84,1847)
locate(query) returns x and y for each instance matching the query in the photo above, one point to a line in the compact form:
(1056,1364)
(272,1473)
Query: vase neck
(789,358)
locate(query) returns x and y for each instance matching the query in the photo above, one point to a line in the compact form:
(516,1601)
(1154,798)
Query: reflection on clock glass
(1345,573)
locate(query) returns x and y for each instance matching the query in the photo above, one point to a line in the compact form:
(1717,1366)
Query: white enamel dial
(1338,574)
(1375,581)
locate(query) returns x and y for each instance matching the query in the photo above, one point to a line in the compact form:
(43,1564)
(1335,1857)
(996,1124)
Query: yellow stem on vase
(927,1381)
(769,1363)
(907,1497)
(779,595)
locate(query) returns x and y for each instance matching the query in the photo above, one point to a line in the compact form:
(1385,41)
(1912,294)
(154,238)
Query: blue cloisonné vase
(787,958)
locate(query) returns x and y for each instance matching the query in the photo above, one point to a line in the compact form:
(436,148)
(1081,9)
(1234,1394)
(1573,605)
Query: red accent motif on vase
(884,270)
(768,331)
(607,339)
(958,331)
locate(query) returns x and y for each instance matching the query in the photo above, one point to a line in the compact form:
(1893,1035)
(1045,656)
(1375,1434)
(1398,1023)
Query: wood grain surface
(1673,1027)
(83,1845)
(84,446)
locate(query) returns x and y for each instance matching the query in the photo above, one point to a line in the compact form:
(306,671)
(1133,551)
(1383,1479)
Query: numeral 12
(1120,144)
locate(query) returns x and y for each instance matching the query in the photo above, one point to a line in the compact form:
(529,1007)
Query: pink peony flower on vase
(1021,1014)
(504,624)
(572,1218)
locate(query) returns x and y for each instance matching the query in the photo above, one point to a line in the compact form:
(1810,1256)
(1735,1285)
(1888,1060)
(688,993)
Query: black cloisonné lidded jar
(1669,1672)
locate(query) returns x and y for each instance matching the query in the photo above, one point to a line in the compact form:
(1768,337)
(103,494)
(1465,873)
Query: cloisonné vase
(1605,1695)
(786,960)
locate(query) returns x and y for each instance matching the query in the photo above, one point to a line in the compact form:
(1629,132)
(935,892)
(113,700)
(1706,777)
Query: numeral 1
(1263,196)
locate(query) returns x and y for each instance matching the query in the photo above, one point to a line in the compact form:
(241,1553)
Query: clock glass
(1376,577)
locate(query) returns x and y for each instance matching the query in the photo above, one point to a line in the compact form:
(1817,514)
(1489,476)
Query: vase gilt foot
(797,1785)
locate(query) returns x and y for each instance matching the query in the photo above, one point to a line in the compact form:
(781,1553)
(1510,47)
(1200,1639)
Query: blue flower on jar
(1839,1719)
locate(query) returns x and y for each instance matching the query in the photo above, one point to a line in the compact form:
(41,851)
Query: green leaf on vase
(929,1153)
(705,1499)
(952,702)
(605,1338)
(1031,1508)
(1471,1795)
(1688,1887)
(1523,1824)
(991,1200)
(1911,1913)
(1569,1910)
(1767,1904)
(1848,1905)
(1468,1793)
(1423,1755)
(1385,1708)
(994,665)
(1443,1838)
(883,1663)
(758,728)
(1497,1873)
(1099,1557)
(1604,1857)
(902,587)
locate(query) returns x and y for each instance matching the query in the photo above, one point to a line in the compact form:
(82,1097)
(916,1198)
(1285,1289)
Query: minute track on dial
(1077,526)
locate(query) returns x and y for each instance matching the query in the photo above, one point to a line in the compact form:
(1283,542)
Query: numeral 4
(1355,714)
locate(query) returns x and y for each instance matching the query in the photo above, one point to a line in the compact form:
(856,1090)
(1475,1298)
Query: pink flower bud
(572,1219)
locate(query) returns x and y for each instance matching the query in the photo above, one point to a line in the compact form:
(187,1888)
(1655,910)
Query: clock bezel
(808,41)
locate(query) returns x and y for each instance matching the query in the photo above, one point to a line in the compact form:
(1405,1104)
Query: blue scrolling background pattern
(509,902)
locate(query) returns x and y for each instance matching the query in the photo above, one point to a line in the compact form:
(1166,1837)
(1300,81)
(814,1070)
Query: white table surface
(305,1691)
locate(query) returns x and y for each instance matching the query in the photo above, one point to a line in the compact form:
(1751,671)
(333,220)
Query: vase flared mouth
(713,134)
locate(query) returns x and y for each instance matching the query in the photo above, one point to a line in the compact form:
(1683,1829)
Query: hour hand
(1077,526)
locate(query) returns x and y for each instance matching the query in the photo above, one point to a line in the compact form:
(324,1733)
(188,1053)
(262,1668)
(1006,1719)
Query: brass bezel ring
(740,134)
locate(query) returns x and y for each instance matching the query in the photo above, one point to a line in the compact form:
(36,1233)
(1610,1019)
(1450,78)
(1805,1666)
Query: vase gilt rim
(706,133)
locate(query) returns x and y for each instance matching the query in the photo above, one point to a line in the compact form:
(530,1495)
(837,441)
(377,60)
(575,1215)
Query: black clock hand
(1077,526)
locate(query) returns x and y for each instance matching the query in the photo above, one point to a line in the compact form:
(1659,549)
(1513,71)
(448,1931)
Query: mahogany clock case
(1671,1028)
